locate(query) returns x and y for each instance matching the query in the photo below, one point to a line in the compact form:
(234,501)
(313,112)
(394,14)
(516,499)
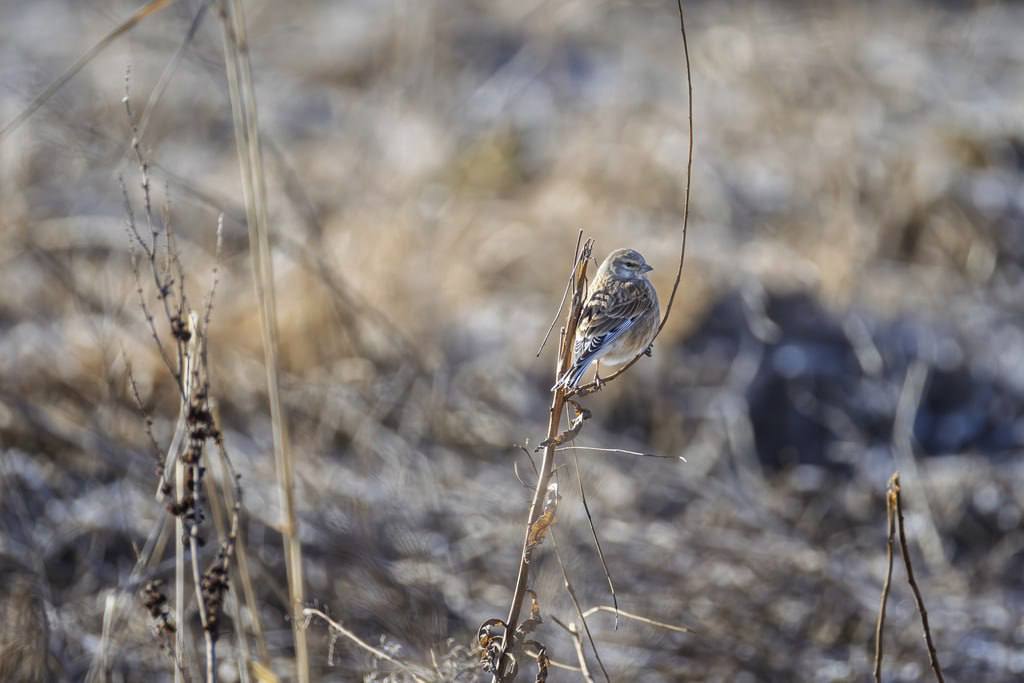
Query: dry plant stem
(622,451)
(172,66)
(933,658)
(211,652)
(228,548)
(890,507)
(215,493)
(309,612)
(243,107)
(99,670)
(635,617)
(172,451)
(162,285)
(597,540)
(208,308)
(579,610)
(192,380)
(181,633)
(242,567)
(245,579)
(577,643)
(548,461)
(561,304)
(594,386)
(137,397)
(128,24)
(179,574)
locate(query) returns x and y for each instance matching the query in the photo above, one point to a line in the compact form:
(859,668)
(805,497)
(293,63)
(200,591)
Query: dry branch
(501,669)
(187,456)
(933,657)
(890,507)
(635,617)
(577,644)
(894,511)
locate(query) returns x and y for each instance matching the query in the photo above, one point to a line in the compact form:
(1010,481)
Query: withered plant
(502,642)
(179,334)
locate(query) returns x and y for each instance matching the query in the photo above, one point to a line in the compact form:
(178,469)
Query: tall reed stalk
(250,162)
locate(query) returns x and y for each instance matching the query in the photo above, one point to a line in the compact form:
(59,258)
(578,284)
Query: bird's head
(626,264)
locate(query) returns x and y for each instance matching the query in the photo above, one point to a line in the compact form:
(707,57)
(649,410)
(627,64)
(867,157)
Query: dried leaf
(534,620)
(542,662)
(571,433)
(539,528)
(490,643)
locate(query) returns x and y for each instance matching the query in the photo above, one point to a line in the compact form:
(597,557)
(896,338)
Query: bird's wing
(610,311)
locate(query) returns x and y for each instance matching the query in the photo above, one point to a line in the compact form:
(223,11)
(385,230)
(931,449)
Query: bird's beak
(646,268)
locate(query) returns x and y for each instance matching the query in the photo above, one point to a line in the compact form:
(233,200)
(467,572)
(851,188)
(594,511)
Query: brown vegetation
(411,190)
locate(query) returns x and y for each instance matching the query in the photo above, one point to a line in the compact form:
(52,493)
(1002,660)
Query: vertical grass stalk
(243,109)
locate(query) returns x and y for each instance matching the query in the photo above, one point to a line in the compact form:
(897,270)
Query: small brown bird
(619,319)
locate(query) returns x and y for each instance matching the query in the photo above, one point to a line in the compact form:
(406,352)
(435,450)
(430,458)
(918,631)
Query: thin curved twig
(595,386)
(565,295)
(577,644)
(636,617)
(579,611)
(597,540)
(309,612)
(623,451)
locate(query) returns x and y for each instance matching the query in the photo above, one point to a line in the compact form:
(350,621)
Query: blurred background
(850,306)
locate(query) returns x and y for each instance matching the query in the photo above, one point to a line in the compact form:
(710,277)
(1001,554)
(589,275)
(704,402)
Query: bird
(619,318)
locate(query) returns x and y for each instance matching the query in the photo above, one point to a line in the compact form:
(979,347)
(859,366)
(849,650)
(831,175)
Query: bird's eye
(632,264)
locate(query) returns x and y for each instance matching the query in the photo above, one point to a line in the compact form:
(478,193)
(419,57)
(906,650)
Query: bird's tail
(571,379)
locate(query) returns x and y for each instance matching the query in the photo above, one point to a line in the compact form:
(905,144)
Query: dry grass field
(851,305)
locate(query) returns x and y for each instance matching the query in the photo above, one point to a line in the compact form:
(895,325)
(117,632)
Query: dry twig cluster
(182,469)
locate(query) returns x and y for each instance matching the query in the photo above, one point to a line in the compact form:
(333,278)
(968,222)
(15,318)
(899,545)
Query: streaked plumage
(620,316)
